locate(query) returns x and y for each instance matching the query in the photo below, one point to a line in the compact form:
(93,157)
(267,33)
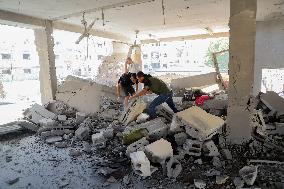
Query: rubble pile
(188,147)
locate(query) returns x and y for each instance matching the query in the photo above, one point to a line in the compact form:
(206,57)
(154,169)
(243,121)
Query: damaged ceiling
(123,17)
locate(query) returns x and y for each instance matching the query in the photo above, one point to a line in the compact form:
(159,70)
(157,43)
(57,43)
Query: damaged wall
(269,49)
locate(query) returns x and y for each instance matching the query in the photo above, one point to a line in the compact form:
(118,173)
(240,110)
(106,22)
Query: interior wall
(269,49)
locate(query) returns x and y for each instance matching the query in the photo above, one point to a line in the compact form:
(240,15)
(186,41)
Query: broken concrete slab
(165,111)
(10,128)
(211,148)
(249,174)
(199,124)
(28,125)
(37,112)
(140,163)
(80,117)
(159,151)
(46,122)
(273,101)
(137,146)
(81,94)
(134,135)
(174,167)
(133,111)
(195,81)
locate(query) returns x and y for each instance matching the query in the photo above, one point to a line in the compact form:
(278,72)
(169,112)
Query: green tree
(223,59)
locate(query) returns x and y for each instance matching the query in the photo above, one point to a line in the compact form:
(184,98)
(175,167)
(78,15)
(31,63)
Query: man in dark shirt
(157,86)
(126,82)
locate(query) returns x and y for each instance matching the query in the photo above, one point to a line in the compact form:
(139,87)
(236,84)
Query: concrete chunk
(62,117)
(37,112)
(80,117)
(140,163)
(249,174)
(98,138)
(273,101)
(137,146)
(174,167)
(53,139)
(159,151)
(83,133)
(199,124)
(211,148)
(200,184)
(46,122)
(133,111)
(180,138)
(28,125)
(192,147)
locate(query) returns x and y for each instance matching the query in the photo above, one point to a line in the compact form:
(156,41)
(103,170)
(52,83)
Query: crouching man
(126,82)
(157,86)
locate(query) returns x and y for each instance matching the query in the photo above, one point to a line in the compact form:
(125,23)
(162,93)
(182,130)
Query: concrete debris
(200,184)
(217,162)
(221,179)
(249,174)
(81,94)
(37,112)
(211,148)
(198,161)
(137,146)
(133,111)
(111,179)
(131,136)
(180,138)
(199,124)
(83,133)
(74,153)
(62,118)
(238,182)
(142,118)
(173,166)
(46,122)
(98,138)
(140,163)
(53,139)
(226,153)
(12,181)
(80,117)
(87,147)
(108,132)
(60,144)
(159,151)
(273,101)
(165,111)
(126,180)
(192,147)
(28,125)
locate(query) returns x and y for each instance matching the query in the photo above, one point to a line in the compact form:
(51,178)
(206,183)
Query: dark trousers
(168,98)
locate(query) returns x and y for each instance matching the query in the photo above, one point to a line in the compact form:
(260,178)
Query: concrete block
(174,167)
(132,136)
(37,112)
(159,151)
(62,117)
(192,147)
(133,111)
(140,163)
(200,184)
(46,122)
(249,174)
(199,124)
(211,148)
(137,146)
(80,117)
(142,118)
(83,133)
(98,138)
(180,138)
(273,101)
(165,111)
(53,139)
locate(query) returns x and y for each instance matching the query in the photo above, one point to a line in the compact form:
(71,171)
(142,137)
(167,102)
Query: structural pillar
(241,69)
(44,44)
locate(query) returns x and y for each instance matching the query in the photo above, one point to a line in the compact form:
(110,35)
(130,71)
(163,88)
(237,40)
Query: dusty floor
(39,165)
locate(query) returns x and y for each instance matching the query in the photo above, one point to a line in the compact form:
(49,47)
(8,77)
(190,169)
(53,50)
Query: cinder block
(159,151)
(133,111)
(38,112)
(165,111)
(137,146)
(82,133)
(211,148)
(180,138)
(192,147)
(140,163)
(174,167)
(98,138)
(199,124)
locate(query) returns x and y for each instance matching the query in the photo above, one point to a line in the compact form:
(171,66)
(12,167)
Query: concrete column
(241,69)
(44,44)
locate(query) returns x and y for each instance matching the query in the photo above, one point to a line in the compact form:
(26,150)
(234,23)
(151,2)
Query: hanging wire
(163,11)
(103,17)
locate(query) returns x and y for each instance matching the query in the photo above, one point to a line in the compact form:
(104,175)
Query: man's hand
(131,97)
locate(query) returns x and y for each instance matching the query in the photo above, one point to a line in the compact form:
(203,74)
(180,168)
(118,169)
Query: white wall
(269,49)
